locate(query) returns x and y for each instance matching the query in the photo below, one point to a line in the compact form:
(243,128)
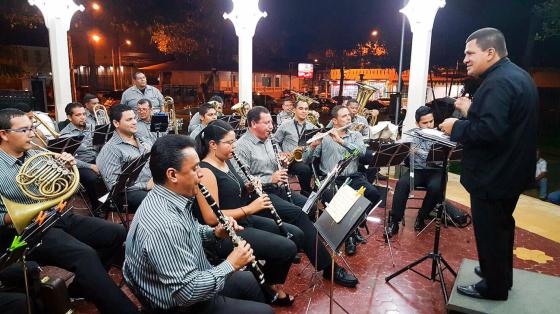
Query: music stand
(307,135)
(240,132)
(129,173)
(102,134)
(159,123)
(435,256)
(65,144)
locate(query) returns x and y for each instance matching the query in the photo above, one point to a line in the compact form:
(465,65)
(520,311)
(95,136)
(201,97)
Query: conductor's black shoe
(471,291)
(350,246)
(478,272)
(419,224)
(392,228)
(341,277)
(359,237)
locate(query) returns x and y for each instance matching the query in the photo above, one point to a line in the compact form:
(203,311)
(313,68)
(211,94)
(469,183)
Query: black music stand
(435,256)
(102,134)
(240,132)
(306,135)
(65,144)
(232,120)
(129,173)
(159,124)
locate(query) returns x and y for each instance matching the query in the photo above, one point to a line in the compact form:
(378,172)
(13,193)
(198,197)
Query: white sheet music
(434,132)
(341,203)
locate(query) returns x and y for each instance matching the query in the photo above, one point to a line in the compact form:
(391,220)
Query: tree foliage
(549,13)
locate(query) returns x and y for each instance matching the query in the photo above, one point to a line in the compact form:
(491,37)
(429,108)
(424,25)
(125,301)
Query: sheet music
(341,203)
(434,132)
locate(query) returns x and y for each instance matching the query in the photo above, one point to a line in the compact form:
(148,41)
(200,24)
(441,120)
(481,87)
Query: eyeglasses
(22,130)
(228,142)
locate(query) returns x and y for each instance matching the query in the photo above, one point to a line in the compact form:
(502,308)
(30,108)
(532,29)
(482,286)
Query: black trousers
(241,294)
(268,244)
(89,179)
(358,180)
(304,174)
(86,246)
(134,199)
(12,296)
(494,230)
(428,178)
(292,213)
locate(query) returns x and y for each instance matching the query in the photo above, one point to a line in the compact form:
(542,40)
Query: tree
(549,14)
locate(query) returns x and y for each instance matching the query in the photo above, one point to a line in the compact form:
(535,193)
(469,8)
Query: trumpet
(101,115)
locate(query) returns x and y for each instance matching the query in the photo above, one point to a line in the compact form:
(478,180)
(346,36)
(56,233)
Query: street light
(95,6)
(374,33)
(96,37)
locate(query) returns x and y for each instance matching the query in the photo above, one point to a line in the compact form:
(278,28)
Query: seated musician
(353,106)
(255,150)
(90,101)
(144,110)
(85,154)
(215,147)
(207,113)
(217,102)
(333,148)
(165,263)
(83,245)
(124,146)
(425,174)
(286,113)
(289,136)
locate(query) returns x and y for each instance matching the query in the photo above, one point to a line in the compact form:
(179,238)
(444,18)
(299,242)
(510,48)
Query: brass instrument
(169,107)
(42,178)
(296,155)
(301,97)
(101,115)
(241,109)
(365,92)
(44,128)
(313,118)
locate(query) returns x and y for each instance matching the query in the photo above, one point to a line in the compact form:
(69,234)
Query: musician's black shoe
(420,223)
(381,177)
(473,292)
(392,228)
(297,259)
(359,237)
(341,276)
(478,272)
(350,246)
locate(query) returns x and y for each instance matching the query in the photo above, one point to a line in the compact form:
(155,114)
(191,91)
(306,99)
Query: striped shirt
(9,168)
(86,153)
(330,152)
(90,119)
(132,95)
(288,136)
(258,155)
(282,117)
(115,153)
(198,128)
(144,131)
(194,122)
(164,259)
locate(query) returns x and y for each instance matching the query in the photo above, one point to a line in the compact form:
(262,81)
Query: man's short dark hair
(254,115)
(285,99)
(490,38)
(216,98)
(71,107)
(136,74)
(335,110)
(115,113)
(88,98)
(144,101)
(8,114)
(204,108)
(167,152)
(422,111)
(352,101)
(19,105)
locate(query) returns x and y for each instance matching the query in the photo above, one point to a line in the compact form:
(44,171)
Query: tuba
(101,115)
(45,179)
(241,109)
(365,92)
(45,128)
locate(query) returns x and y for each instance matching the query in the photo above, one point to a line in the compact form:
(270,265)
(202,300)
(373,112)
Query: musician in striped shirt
(165,262)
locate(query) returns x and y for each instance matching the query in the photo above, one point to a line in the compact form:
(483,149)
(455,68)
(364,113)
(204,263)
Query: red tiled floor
(408,292)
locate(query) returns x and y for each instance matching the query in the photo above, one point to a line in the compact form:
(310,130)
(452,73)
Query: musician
(90,101)
(85,154)
(207,113)
(217,102)
(215,146)
(425,174)
(353,106)
(255,150)
(124,146)
(499,143)
(165,263)
(83,245)
(286,113)
(289,136)
(139,90)
(144,110)
(332,149)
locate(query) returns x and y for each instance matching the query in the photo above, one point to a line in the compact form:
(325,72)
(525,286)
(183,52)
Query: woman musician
(215,147)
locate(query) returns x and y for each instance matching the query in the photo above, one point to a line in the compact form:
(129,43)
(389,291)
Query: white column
(245,16)
(57,15)
(421,15)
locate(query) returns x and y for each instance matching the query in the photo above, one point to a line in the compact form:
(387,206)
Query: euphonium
(365,92)
(241,109)
(313,118)
(44,130)
(169,107)
(45,179)
(101,115)
(296,155)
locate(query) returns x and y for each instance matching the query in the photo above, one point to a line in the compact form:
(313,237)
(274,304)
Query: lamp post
(57,15)
(421,15)
(245,16)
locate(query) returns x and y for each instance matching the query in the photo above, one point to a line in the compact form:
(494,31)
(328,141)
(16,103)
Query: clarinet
(235,239)
(287,185)
(259,191)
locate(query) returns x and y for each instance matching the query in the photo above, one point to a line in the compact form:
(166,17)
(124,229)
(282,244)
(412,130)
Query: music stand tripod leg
(27,295)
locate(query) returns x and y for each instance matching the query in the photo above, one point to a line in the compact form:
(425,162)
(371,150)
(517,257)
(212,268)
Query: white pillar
(421,15)
(245,16)
(57,15)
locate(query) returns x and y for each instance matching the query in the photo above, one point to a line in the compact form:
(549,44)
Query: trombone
(101,115)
